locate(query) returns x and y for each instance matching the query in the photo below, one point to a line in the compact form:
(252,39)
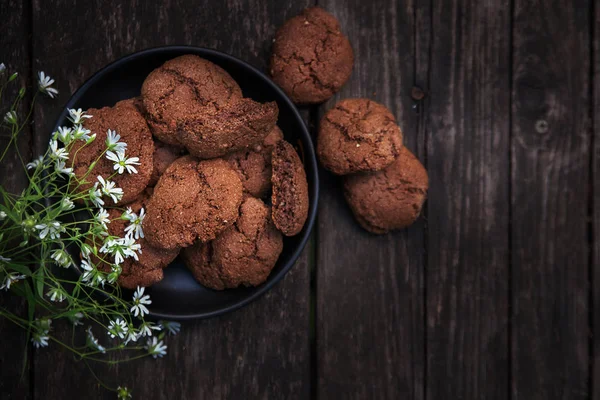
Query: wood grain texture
(550,176)
(370,330)
(260,351)
(468,215)
(595,228)
(14,45)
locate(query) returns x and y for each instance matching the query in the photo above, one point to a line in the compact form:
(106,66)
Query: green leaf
(30,300)
(23,269)
(39,284)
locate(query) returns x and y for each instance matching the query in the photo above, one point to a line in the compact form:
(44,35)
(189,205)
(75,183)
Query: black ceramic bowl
(178,295)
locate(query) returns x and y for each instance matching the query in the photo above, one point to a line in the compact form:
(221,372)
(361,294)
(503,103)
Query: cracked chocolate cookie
(254,165)
(311,57)
(148,269)
(125,119)
(290,189)
(192,200)
(184,86)
(235,127)
(244,254)
(164,155)
(358,135)
(391,198)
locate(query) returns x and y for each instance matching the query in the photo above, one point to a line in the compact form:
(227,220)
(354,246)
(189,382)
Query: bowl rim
(309,159)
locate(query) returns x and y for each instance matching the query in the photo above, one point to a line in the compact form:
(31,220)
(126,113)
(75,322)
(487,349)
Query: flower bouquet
(51,256)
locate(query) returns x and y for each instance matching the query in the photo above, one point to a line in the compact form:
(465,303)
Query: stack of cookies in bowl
(217,183)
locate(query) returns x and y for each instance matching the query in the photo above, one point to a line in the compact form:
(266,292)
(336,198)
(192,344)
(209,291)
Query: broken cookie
(290,189)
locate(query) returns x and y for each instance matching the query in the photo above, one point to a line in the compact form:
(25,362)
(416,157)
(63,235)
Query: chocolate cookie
(126,121)
(192,200)
(254,165)
(164,155)
(244,254)
(391,198)
(146,271)
(311,58)
(238,126)
(186,85)
(358,135)
(290,189)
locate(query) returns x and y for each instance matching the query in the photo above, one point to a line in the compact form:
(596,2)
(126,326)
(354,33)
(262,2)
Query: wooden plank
(261,351)
(14,42)
(550,177)
(370,326)
(595,227)
(468,162)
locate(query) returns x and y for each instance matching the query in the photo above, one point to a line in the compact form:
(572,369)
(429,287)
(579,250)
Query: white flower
(56,294)
(140,300)
(93,342)
(35,162)
(123,163)
(61,258)
(40,336)
(11,278)
(92,275)
(156,348)
(109,189)
(64,134)
(53,229)
(121,248)
(134,229)
(2,69)
(118,328)
(76,318)
(62,169)
(55,152)
(81,133)
(171,326)
(44,83)
(77,116)
(10,118)
(147,327)
(86,250)
(102,217)
(4,259)
(130,247)
(132,335)
(66,204)
(96,195)
(115,272)
(39,340)
(112,142)
(2,215)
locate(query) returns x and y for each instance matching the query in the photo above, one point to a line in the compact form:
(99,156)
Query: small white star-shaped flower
(45,83)
(77,116)
(112,142)
(123,163)
(109,189)
(55,152)
(140,301)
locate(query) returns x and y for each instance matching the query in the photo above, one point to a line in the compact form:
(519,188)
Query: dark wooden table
(492,294)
